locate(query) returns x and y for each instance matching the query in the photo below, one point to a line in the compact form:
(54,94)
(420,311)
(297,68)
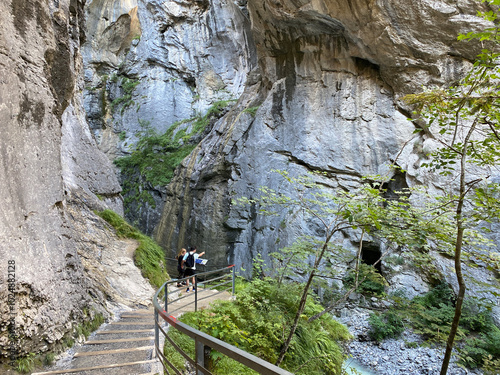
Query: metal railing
(221,280)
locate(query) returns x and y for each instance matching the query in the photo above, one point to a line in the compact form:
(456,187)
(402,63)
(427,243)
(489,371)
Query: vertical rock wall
(183,57)
(51,173)
(327,86)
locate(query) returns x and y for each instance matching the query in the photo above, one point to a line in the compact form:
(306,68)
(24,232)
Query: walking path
(127,346)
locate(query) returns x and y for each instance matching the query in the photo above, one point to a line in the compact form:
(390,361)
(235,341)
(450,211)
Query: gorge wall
(178,58)
(51,175)
(316,87)
(306,85)
(327,84)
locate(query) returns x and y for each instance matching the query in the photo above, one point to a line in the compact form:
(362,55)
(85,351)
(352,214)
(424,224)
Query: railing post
(234,279)
(195,293)
(166,297)
(200,356)
(157,333)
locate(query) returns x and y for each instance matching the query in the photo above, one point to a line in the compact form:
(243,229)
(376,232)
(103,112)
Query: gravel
(393,357)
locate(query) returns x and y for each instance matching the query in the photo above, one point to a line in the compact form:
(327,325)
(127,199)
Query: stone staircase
(122,347)
(126,347)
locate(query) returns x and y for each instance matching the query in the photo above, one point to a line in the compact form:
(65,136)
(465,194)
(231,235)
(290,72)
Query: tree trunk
(461,284)
(303,299)
(458,312)
(458,256)
(300,310)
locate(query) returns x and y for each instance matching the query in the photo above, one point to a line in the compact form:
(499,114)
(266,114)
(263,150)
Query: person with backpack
(180,267)
(189,262)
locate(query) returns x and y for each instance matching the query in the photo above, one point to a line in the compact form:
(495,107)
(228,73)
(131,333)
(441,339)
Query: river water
(360,369)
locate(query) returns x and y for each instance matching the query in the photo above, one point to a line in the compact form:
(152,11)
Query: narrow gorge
(167,111)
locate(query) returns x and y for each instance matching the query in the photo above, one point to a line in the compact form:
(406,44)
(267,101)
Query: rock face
(180,57)
(324,97)
(51,173)
(318,86)
(327,87)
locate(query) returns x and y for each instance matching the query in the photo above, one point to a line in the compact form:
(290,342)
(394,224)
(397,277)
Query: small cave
(366,65)
(370,254)
(396,187)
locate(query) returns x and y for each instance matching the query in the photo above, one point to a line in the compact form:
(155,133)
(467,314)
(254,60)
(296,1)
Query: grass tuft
(26,364)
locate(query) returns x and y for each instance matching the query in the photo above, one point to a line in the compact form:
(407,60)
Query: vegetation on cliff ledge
(156,156)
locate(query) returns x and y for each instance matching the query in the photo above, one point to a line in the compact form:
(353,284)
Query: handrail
(202,340)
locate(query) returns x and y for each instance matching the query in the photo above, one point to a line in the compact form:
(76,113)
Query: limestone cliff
(327,86)
(317,84)
(51,173)
(177,58)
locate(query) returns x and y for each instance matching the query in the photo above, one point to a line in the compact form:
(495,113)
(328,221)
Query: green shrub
(128,86)
(475,317)
(68,341)
(372,282)
(484,346)
(438,296)
(148,257)
(89,326)
(385,325)
(256,322)
(411,344)
(251,110)
(433,322)
(491,366)
(471,353)
(431,315)
(183,341)
(49,359)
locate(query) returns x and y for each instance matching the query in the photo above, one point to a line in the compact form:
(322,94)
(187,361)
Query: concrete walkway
(186,302)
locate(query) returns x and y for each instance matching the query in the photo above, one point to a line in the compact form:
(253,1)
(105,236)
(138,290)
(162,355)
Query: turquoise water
(360,369)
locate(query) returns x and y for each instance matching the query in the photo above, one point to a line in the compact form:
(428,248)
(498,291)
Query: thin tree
(465,121)
(365,209)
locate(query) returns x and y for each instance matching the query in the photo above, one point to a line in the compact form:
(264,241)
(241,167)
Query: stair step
(139,312)
(95,342)
(129,315)
(114,345)
(113,358)
(132,323)
(122,335)
(124,331)
(73,370)
(113,351)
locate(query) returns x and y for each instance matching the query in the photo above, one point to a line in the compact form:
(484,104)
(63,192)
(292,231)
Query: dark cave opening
(370,254)
(396,187)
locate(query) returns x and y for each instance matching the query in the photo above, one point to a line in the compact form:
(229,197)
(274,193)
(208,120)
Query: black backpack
(190,260)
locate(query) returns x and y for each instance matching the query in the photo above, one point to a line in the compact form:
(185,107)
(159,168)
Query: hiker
(189,261)
(180,267)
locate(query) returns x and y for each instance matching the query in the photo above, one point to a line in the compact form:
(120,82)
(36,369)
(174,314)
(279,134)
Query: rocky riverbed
(393,357)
